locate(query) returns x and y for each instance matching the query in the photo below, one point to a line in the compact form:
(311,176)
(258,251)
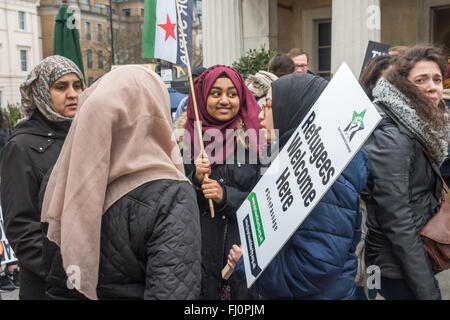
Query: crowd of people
(104,196)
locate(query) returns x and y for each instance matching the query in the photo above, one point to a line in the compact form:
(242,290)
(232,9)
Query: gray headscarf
(35,90)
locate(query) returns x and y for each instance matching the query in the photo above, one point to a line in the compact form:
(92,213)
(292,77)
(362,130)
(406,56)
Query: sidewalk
(443,278)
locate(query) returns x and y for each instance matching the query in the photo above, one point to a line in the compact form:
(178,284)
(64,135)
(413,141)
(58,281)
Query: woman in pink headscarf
(230,127)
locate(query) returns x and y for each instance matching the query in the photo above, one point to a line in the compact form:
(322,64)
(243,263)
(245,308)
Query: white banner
(319,150)
(8,253)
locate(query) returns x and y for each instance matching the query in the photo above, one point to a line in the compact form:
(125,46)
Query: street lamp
(111,32)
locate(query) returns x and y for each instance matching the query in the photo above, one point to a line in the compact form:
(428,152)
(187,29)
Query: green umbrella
(66,42)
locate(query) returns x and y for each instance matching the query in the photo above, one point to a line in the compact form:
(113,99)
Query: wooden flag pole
(191,82)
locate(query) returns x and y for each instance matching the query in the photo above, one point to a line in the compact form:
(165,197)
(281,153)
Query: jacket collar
(41,126)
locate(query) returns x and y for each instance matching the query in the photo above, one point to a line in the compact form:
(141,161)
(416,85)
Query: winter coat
(149,247)
(4,135)
(32,149)
(220,233)
(319,261)
(404,189)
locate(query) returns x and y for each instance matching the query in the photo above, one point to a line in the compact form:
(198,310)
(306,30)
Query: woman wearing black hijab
(318,261)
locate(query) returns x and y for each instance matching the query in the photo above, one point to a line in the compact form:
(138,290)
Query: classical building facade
(20,46)
(333,31)
(95,32)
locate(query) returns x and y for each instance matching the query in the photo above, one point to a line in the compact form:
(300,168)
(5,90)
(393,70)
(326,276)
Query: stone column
(260,24)
(222,32)
(354,23)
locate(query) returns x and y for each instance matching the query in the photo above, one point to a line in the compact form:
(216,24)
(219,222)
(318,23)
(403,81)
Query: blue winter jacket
(319,261)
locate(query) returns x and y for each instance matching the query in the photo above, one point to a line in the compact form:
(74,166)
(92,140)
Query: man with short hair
(301,60)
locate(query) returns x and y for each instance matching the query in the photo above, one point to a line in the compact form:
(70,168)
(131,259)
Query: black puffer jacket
(404,191)
(220,233)
(149,249)
(32,149)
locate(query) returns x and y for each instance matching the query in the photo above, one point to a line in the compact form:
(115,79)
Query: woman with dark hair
(225,105)
(280,65)
(318,262)
(49,102)
(404,186)
(377,68)
(259,84)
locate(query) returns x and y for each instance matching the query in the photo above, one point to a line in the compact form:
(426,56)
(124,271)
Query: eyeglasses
(265,107)
(303,66)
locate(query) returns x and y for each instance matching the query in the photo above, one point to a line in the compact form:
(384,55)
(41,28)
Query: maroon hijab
(248,112)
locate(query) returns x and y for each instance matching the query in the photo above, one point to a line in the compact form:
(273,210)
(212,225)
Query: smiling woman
(223,100)
(225,105)
(49,102)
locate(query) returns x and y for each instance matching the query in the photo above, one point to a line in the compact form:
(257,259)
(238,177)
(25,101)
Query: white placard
(8,253)
(327,139)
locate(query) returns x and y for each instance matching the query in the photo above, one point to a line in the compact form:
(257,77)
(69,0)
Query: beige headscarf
(120,139)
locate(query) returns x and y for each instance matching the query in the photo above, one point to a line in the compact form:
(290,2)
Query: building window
(439,22)
(85,2)
(89,58)
(99,32)
(100,59)
(1,98)
(87,30)
(142,11)
(21,20)
(126,12)
(323,49)
(90,81)
(23,60)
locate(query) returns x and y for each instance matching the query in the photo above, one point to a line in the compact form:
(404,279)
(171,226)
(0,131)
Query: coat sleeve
(391,156)
(173,247)
(317,253)
(232,197)
(19,199)
(307,264)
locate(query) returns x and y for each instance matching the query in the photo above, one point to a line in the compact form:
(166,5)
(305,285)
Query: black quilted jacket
(150,247)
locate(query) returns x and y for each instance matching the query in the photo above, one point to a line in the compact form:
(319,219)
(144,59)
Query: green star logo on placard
(357,124)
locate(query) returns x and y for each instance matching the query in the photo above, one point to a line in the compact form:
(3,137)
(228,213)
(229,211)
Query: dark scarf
(292,97)
(435,140)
